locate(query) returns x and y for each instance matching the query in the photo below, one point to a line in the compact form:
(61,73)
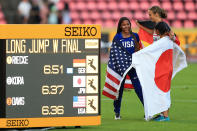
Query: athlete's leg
(136,83)
(117,103)
(165,113)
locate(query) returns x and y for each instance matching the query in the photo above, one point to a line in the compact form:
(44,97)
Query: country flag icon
(79,81)
(79,101)
(79,62)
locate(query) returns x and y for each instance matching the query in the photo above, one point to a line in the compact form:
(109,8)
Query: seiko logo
(80,31)
(17,59)
(16,80)
(14,101)
(21,123)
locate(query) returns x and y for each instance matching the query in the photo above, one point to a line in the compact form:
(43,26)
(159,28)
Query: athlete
(156,15)
(162,30)
(129,42)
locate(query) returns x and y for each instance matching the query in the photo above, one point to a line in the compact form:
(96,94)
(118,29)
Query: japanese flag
(79,81)
(156,65)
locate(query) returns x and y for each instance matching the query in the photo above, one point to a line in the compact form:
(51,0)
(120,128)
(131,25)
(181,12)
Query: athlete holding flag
(156,65)
(156,15)
(124,44)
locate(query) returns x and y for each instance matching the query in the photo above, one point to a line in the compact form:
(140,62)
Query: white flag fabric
(156,65)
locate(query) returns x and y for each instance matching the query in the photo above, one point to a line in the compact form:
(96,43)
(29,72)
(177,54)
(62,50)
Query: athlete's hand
(172,36)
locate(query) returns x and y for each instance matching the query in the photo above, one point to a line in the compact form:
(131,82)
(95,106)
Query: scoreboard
(49,75)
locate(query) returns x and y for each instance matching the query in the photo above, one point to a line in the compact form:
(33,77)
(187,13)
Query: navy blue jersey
(127,43)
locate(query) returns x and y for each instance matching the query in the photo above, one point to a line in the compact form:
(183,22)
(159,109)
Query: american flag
(119,61)
(79,101)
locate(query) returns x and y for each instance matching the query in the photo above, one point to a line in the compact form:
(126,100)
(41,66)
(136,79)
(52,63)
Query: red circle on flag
(79,81)
(163,70)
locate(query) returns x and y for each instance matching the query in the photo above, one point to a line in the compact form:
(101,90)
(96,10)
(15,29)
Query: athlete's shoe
(157,116)
(162,118)
(117,116)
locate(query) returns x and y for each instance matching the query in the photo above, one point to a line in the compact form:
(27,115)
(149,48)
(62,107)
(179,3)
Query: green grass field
(183,112)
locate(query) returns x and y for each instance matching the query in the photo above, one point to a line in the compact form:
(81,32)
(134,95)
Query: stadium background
(182,17)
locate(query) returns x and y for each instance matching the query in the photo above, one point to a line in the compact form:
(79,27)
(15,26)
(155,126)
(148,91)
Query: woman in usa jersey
(124,44)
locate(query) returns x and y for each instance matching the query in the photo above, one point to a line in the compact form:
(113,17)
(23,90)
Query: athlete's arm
(174,37)
(144,28)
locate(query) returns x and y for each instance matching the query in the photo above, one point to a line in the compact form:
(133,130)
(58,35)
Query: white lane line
(185,86)
(186,101)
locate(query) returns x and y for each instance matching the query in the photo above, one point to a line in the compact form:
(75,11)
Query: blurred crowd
(43,12)
(181,13)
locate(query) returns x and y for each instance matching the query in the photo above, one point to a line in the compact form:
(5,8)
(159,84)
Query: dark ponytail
(156,9)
